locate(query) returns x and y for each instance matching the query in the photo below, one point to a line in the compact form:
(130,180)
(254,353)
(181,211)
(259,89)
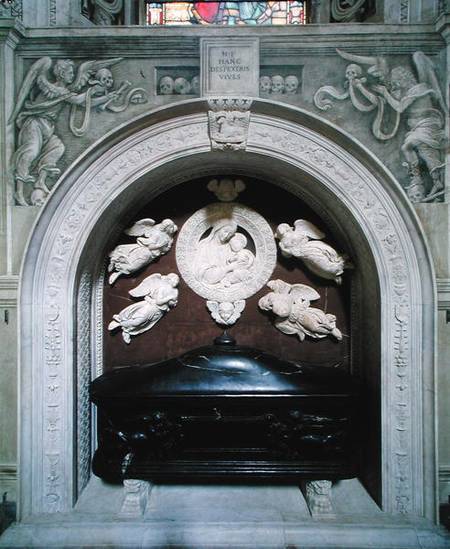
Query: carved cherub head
(168,226)
(182,86)
(64,70)
(226,310)
(173,279)
(277,84)
(291,84)
(416,192)
(283,229)
(238,242)
(265,84)
(166,85)
(226,189)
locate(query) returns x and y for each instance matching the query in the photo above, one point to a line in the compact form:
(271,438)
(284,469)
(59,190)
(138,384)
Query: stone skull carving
(105,77)
(353,71)
(291,84)
(278,84)
(265,84)
(166,85)
(182,86)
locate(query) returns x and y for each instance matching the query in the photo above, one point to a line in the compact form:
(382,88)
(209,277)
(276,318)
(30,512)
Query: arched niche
(62,274)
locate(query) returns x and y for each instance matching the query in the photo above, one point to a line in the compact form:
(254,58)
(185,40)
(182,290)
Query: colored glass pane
(225,13)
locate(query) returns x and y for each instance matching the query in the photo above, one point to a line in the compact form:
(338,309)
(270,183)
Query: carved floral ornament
(226,252)
(399,94)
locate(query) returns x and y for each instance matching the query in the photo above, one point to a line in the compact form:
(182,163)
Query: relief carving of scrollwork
(49,86)
(400,94)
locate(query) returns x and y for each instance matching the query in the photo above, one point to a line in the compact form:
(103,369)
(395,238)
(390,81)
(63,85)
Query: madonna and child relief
(226,252)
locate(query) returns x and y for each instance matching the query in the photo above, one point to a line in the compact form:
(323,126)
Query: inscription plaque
(230,66)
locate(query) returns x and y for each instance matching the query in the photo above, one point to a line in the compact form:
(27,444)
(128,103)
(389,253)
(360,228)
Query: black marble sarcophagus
(225,411)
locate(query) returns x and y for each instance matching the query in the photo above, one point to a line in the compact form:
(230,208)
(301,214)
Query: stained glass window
(225,13)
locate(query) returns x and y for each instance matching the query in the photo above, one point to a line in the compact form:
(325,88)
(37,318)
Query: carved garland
(94,191)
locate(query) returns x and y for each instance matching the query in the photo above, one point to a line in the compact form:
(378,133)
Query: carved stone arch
(57,343)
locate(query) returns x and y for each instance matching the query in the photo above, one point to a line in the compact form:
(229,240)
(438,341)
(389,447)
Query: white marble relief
(229,120)
(290,303)
(304,241)
(226,189)
(153,241)
(160,294)
(38,106)
(217,260)
(226,313)
(400,94)
(318,497)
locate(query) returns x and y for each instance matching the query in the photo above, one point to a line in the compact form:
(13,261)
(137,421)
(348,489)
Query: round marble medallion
(226,252)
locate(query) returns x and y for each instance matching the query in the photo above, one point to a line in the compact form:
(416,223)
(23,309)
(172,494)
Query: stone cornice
(11,32)
(280,41)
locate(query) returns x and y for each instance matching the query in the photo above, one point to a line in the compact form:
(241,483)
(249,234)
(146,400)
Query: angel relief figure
(390,93)
(291,305)
(39,103)
(153,241)
(160,294)
(303,241)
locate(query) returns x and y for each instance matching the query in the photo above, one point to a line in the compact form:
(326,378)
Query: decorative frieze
(39,104)
(400,95)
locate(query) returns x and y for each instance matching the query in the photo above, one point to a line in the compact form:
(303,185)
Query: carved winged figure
(303,241)
(226,189)
(153,241)
(226,313)
(390,93)
(46,89)
(160,295)
(291,305)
